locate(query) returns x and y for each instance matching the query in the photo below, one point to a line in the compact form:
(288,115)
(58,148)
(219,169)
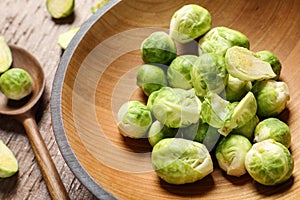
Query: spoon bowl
(24,111)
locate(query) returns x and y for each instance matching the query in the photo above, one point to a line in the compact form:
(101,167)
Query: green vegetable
(243,64)
(134,119)
(248,128)
(219,39)
(231,153)
(158,48)
(189,22)
(269,162)
(65,38)
(236,89)
(175,107)
(180,161)
(178,73)
(98,5)
(271,96)
(203,133)
(273,128)
(151,78)
(16,83)
(60,8)
(269,57)
(159,131)
(5,55)
(209,74)
(8,162)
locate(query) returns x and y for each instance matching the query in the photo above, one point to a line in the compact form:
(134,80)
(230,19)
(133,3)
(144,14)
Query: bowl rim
(56,110)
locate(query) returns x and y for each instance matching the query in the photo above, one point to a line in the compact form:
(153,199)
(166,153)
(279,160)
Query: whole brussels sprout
(231,152)
(134,119)
(242,63)
(178,74)
(219,39)
(269,57)
(236,89)
(16,83)
(209,74)
(180,161)
(273,128)
(175,107)
(248,128)
(203,133)
(159,48)
(271,96)
(159,131)
(151,78)
(269,162)
(189,22)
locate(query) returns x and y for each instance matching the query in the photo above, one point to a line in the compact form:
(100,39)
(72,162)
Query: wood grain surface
(27,24)
(100,76)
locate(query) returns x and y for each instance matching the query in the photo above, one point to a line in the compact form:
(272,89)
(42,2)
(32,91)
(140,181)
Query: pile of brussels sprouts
(222,102)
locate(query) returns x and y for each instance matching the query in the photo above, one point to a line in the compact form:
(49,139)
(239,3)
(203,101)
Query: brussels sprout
(273,128)
(203,133)
(180,161)
(248,128)
(243,64)
(5,55)
(158,48)
(231,152)
(271,96)
(8,162)
(16,83)
(60,9)
(219,39)
(269,162)
(209,74)
(189,22)
(133,119)
(175,107)
(236,89)
(150,78)
(178,73)
(269,57)
(159,131)
(226,116)
(65,38)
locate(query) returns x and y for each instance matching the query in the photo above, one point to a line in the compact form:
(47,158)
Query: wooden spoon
(24,111)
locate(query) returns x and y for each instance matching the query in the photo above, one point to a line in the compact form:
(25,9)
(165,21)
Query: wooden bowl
(97,74)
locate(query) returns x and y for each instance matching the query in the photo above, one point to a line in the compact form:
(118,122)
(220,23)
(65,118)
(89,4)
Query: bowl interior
(99,76)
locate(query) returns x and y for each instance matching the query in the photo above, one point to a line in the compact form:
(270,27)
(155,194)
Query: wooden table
(28,24)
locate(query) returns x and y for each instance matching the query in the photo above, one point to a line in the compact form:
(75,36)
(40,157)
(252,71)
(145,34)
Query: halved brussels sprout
(180,161)
(242,63)
(269,162)
(231,152)
(219,39)
(158,48)
(175,107)
(151,78)
(16,83)
(273,128)
(60,9)
(65,38)
(159,131)
(134,119)
(178,74)
(189,22)
(271,96)
(236,89)
(5,55)
(248,128)
(209,74)
(269,57)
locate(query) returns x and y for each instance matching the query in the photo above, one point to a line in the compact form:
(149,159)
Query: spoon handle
(53,181)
